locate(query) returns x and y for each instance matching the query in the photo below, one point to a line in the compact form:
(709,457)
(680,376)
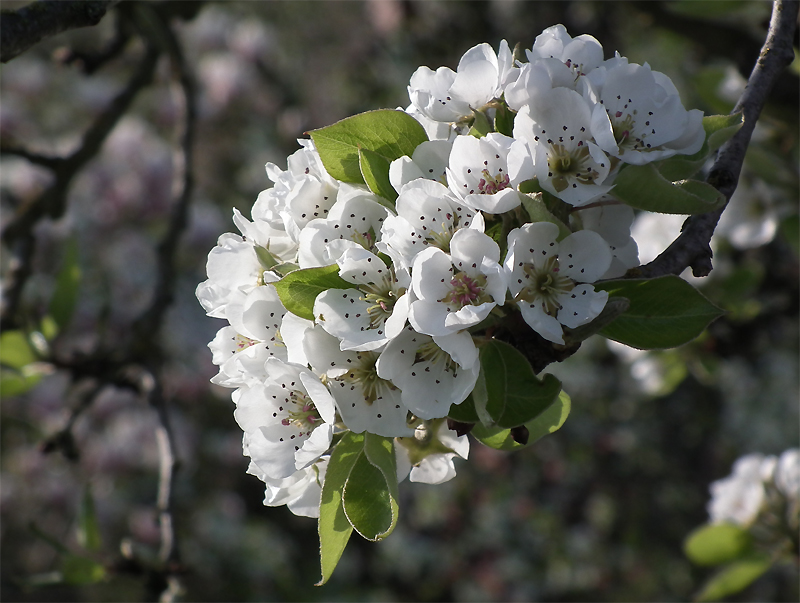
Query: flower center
(302,413)
(242,342)
(545,285)
(490,185)
(382,296)
(365,376)
(366,239)
(564,165)
(466,290)
(430,352)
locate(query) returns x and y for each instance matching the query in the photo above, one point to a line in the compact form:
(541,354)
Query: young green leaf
(334,527)
(735,577)
(547,422)
(368,503)
(665,312)
(375,170)
(15,350)
(643,187)
(387,132)
(88,528)
(721,128)
(62,304)
(504,120)
(715,544)
(507,393)
(299,289)
(81,570)
(538,212)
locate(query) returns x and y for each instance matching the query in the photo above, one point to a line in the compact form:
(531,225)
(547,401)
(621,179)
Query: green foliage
(359,492)
(299,289)
(88,528)
(76,569)
(735,577)
(664,312)
(507,393)
(643,187)
(375,170)
(538,212)
(715,544)
(18,371)
(389,133)
(62,304)
(548,421)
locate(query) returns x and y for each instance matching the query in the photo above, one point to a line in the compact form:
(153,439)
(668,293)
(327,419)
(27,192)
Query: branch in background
(52,202)
(21,29)
(89,62)
(692,248)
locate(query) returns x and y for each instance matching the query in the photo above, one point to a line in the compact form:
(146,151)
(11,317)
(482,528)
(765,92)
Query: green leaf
(721,128)
(334,527)
(643,187)
(368,503)
(81,570)
(464,412)
(88,528)
(265,257)
(538,212)
(62,304)
(508,393)
(715,544)
(375,170)
(734,577)
(665,312)
(547,422)
(614,308)
(16,383)
(480,125)
(299,289)
(387,132)
(16,350)
(504,120)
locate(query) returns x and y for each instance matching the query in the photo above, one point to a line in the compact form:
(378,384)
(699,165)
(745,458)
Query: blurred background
(596,512)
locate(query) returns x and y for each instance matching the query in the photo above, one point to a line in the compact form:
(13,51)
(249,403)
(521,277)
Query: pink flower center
(466,290)
(489,185)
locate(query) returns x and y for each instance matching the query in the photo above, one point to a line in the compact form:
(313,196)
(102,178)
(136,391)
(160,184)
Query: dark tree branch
(52,202)
(89,62)
(21,29)
(692,247)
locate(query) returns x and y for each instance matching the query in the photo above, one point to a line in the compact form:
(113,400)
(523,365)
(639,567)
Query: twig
(21,29)
(52,202)
(692,247)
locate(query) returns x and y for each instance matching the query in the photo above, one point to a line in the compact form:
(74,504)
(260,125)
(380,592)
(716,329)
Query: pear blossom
(613,222)
(448,96)
(354,220)
(639,117)
(432,372)
(427,456)
(367,317)
(365,401)
(300,492)
(543,74)
(582,53)
(457,290)
(478,173)
(548,279)
(428,215)
(428,160)
(561,152)
(289,419)
(739,497)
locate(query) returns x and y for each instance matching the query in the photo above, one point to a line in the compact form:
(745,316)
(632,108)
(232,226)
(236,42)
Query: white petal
(584,256)
(581,305)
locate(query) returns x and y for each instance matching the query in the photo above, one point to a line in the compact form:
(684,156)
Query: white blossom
(427,456)
(300,492)
(739,497)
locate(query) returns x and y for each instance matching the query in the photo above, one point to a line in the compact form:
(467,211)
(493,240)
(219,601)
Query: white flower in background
(289,419)
(428,160)
(640,117)
(300,492)
(478,173)
(367,317)
(548,279)
(428,214)
(739,497)
(787,475)
(436,130)
(365,401)
(750,219)
(354,220)
(427,456)
(447,96)
(561,152)
(456,291)
(613,223)
(432,372)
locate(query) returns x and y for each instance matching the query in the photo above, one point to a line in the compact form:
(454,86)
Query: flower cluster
(507,208)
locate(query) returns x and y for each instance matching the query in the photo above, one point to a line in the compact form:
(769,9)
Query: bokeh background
(596,512)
